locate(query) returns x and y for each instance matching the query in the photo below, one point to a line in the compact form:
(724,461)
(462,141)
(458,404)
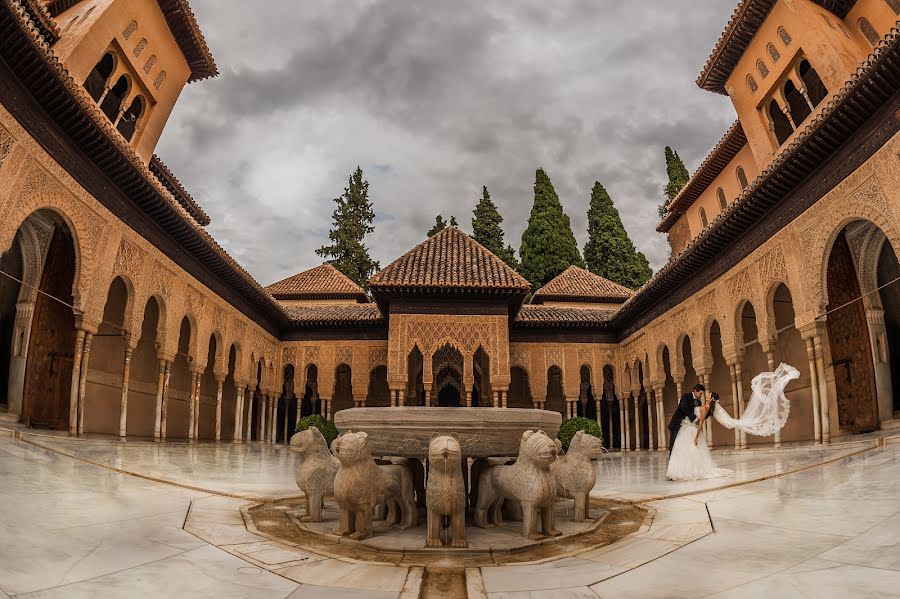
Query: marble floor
(87,528)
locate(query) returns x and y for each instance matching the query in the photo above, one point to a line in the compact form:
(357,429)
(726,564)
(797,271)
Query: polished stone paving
(72,529)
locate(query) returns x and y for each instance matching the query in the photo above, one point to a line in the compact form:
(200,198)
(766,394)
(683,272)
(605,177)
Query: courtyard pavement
(77,524)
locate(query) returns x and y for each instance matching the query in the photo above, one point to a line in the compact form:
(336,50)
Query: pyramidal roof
(576,284)
(321,282)
(450,261)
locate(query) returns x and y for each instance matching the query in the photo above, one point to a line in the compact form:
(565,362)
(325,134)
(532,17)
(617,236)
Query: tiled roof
(578,284)
(168,179)
(868,89)
(721,155)
(449,260)
(746,20)
(321,282)
(535,316)
(346,315)
(185,30)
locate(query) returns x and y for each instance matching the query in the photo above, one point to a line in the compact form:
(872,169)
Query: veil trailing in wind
(768,408)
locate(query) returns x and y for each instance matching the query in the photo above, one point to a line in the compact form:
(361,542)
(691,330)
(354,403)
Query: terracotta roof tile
(535,316)
(168,179)
(321,282)
(335,315)
(578,284)
(745,21)
(449,259)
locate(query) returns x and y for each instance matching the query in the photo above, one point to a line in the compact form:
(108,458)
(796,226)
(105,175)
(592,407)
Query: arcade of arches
(121,316)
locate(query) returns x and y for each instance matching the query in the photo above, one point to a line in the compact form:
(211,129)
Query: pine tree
(439,225)
(678,178)
(548,245)
(352,222)
(486,229)
(609,251)
(453,222)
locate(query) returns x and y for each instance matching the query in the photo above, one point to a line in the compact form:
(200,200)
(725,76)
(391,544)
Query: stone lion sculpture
(360,485)
(575,475)
(315,475)
(528,481)
(445,494)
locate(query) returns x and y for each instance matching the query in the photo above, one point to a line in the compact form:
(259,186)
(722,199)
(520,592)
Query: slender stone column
(160,379)
(197,408)
(251,391)
(75,384)
(82,383)
(193,391)
(823,389)
(273,419)
(238,412)
(770,358)
(623,445)
(219,381)
(261,421)
(651,430)
(661,410)
(814,387)
(469,398)
(123,409)
(637,420)
(739,374)
(626,443)
(496,395)
(504,398)
(734,394)
(164,413)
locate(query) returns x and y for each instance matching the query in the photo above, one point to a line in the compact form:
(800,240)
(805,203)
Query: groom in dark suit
(685,409)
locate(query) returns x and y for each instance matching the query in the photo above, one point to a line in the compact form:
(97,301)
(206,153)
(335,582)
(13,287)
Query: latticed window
(785,37)
(762,68)
(773,52)
(141,46)
(703,220)
(751,83)
(723,203)
(865,27)
(742,177)
(150,63)
(895,5)
(159,79)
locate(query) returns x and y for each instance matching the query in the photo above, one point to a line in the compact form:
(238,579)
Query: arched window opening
(113,100)
(797,103)
(139,49)
(815,89)
(773,52)
(784,36)
(762,68)
(69,26)
(781,126)
(128,123)
(742,177)
(159,79)
(865,27)
(151,62)
(130,29)
(703,220)
(723,203)
(99,75)
(895,6)
(751,83)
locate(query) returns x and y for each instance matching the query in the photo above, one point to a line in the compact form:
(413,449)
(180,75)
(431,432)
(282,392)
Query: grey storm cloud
(434,99)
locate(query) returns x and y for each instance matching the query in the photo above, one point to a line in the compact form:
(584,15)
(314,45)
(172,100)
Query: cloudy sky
(434,99)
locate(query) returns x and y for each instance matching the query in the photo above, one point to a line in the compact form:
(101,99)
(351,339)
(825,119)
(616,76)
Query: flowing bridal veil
(768,408)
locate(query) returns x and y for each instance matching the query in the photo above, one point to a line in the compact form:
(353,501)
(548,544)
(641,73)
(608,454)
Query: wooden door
(848,336)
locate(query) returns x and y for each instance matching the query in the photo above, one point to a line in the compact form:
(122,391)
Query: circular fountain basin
(482,432)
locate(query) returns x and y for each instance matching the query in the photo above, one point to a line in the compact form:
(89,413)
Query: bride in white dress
(766,412)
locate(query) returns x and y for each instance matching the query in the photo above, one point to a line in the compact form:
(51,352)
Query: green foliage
(573,425)
(486,229)
(678,177)
(326,427)
(439,225)
(352,222)
(609,251)
(548,245)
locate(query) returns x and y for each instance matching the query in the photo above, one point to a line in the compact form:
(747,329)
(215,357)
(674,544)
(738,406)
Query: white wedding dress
(766,412)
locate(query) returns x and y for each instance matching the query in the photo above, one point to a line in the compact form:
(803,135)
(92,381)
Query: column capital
(812,329)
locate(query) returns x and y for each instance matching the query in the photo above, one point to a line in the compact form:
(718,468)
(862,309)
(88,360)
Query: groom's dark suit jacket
(685,409)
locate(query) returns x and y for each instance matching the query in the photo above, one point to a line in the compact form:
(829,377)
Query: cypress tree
(609,251)
(352,222)
(486,229)
(678,177)
(548,245)
(439,225)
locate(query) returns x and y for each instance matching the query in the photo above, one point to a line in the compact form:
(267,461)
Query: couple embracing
(765,413)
